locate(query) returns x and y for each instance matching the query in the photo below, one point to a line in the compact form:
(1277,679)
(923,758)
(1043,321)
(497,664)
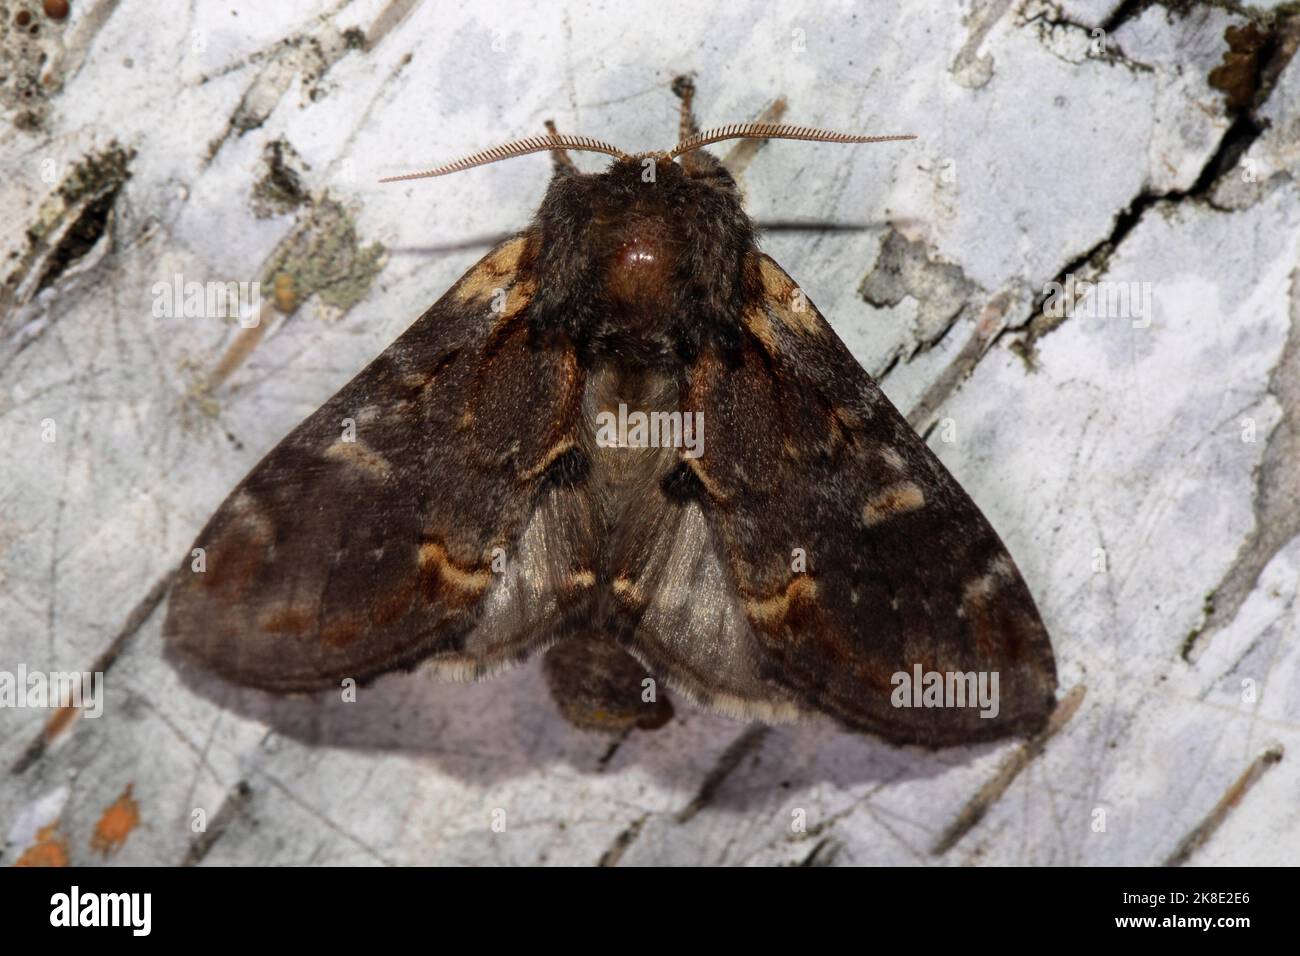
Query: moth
(807,555)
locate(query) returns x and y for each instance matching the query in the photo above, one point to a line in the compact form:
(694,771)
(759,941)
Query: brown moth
(793,548)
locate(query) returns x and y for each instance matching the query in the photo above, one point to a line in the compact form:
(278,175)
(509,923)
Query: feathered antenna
(535,144)
(774,131)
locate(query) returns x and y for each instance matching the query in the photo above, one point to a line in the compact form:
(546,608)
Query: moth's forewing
(422,512)
(850,555)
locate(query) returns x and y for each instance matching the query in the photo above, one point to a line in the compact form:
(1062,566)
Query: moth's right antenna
(774,131)
(521,147)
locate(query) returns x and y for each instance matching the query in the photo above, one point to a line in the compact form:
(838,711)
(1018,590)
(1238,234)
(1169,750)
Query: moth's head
(645,227)
(659,239)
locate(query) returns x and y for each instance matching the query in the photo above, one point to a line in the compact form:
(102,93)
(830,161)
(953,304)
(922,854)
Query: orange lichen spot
(50,849)
(61,721)
(116,824)
(286,295)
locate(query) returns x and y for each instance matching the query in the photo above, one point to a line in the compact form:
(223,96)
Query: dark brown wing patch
(407,518)
(526,401)
(853,552)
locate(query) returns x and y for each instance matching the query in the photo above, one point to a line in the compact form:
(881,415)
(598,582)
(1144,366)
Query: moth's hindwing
(829,551)
(443,524)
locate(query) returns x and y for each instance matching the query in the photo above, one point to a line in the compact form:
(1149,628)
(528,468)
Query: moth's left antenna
(521,147)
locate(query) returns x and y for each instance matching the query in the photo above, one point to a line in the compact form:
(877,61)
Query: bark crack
(1277,489)
(1272,56)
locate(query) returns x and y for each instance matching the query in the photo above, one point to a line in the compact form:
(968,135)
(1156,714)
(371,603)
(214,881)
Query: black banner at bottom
(228,906)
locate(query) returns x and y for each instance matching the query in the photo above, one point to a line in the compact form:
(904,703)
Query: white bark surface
(1173,448)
